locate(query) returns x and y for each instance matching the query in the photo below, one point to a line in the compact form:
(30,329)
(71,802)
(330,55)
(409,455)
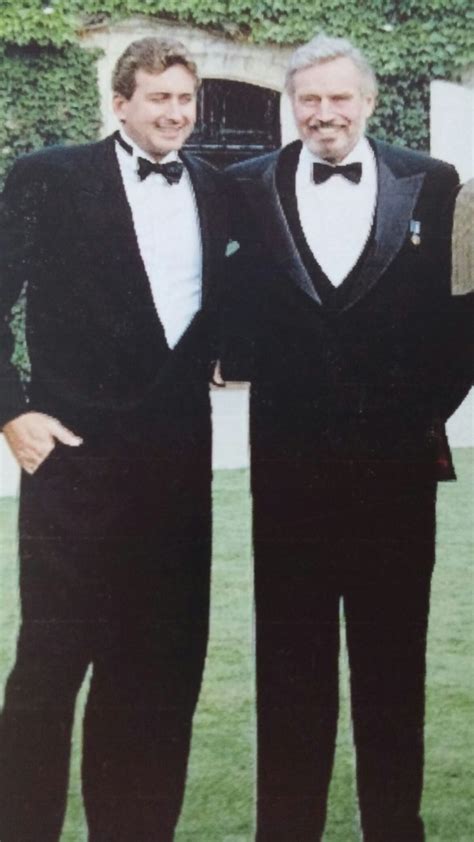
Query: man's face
(330,108)
(161,113)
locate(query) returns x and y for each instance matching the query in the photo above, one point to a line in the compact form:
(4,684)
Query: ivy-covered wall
(48,95)
(49,88)
(49,92)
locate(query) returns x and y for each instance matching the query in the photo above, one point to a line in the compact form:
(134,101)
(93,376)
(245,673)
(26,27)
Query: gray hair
(324,48)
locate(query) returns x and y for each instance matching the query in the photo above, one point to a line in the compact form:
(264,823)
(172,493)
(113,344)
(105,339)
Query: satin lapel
(107,217)
(396,201)
(263,196)
(212,217)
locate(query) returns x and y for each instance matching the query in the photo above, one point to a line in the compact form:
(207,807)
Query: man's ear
(370,103)
(119,105)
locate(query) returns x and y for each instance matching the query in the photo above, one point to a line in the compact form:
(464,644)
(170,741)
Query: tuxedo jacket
(99,359)
(368,376)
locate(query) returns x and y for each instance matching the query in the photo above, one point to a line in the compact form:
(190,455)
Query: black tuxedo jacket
(369,380)
(99,359)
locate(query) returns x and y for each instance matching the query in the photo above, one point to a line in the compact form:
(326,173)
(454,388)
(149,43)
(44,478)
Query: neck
(130,145)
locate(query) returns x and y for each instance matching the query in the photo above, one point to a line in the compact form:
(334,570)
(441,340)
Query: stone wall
(217,58)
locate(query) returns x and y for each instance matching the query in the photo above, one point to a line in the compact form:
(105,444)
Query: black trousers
(367,543)
(115,558)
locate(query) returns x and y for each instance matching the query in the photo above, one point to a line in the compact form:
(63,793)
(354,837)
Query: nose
(173,110)
(325,110)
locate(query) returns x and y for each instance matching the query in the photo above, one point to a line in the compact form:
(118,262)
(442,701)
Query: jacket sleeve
(238,319)
(458,369)
(239,291)
(18,223)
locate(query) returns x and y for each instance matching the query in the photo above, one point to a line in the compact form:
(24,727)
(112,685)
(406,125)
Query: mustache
(326,124)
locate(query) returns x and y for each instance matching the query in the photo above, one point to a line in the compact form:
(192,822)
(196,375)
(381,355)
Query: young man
(340,314)
(118,243)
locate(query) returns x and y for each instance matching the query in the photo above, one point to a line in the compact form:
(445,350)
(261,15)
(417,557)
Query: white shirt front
(168,232)
(336,216)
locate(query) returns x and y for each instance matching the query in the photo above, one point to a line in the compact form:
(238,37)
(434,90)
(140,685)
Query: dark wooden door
(235,121)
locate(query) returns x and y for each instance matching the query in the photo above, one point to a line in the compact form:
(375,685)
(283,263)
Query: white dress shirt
(336,216)
(168,233)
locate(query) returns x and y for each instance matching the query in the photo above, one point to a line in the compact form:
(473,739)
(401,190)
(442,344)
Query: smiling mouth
(326,129)
(170,130)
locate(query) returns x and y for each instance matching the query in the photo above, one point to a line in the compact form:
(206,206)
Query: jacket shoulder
(207,169)
(405,161)
(197,161)
(52,158)
(253,167)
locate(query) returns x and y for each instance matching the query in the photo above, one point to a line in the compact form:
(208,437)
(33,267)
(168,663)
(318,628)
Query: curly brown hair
(154,55)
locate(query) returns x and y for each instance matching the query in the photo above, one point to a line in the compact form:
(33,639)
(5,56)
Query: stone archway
(217,57)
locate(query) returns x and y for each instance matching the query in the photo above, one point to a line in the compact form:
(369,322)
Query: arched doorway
(236,120)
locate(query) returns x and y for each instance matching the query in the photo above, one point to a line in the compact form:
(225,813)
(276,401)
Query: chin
(332,154)
(166,148)
(327,153)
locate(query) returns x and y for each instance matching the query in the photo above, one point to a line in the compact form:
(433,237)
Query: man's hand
(33,436)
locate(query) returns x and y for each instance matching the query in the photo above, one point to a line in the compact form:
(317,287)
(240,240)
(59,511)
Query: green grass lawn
(219,799)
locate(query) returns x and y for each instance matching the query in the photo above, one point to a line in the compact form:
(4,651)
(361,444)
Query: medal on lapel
(415,228)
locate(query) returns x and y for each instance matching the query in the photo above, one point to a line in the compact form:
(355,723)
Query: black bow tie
(172,170)
(321,172)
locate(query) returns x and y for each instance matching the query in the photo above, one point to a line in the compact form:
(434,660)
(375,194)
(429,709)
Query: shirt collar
(362,152)
(137,152)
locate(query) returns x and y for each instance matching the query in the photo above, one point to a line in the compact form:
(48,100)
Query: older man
(340,314)
(118,243)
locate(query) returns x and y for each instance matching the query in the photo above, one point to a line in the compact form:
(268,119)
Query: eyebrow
(152,94)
